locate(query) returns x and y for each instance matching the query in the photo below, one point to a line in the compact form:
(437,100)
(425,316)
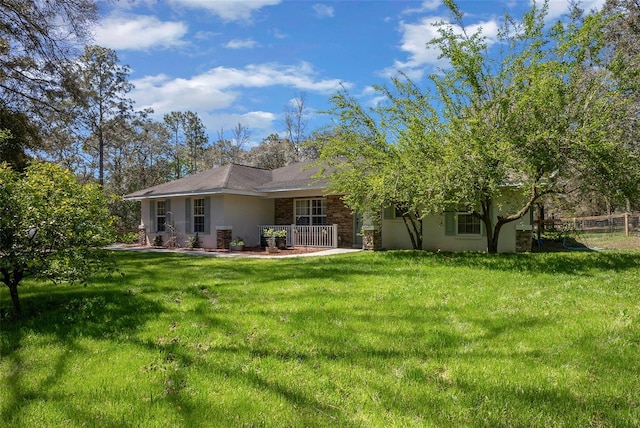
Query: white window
(198,215)
(311,211)
(462,223)
(468,224)
(161,215)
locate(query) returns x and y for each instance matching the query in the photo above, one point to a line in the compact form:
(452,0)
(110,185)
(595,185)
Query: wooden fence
(627,223)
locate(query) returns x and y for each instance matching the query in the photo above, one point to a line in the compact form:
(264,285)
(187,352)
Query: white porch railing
(325,236)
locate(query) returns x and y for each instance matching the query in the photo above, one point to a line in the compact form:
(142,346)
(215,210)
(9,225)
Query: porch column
(142,234)
(371,238)
(524,237)
(223,237)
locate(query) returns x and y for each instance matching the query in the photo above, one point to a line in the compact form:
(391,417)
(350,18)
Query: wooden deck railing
(323,236)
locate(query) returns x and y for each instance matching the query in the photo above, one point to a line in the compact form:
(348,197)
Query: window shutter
(450,224)
(207,215)
(187,215)
(389,213)
(152,216)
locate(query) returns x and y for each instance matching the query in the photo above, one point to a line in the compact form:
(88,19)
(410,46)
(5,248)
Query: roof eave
(195,193)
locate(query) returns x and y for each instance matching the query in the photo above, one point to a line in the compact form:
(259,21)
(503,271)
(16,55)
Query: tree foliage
(273,152)
(296,123)
(24,136)
(36,39)
(100,106)
(189,142)
(51,226)
(544,115)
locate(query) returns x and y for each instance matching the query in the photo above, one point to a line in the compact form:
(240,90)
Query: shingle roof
(237,179)
(291,177)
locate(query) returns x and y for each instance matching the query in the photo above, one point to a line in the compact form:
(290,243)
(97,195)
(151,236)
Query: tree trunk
(17,309)
(416,234)
(100,156)
(12,284)
(492,239)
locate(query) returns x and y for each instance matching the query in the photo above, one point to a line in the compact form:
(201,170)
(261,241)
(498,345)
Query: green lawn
(366,339)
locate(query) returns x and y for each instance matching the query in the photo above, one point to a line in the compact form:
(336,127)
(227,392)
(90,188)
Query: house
(233,201)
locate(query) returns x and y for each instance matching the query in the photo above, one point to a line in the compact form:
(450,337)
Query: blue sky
(244,61)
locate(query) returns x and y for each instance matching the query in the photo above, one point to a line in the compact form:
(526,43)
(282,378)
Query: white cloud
(426,5)
(139,32)
(241,44)
(557,8)
(421,56)
(221,88)
(372,97)
(205,35)
(323,10)
(227,10)
(279,34)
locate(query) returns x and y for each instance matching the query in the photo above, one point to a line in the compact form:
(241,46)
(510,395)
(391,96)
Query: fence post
(626,224)
(335,236)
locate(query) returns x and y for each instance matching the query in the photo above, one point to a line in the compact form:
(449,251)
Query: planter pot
(281,242)
(237,248)
(272,250)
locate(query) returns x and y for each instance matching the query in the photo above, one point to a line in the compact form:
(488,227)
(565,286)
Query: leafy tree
(232,150)
(367,158)
(141,158)
(36,39)
(622,37)
(296,124)
(623,31)
(149,158)
(101,104)
(544,115)
(24,136)
(196,140)
(189,141)
(51,226)
(273,152)
(173,121)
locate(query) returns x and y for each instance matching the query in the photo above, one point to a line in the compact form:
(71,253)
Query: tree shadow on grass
(61,315)
(561,263)
(150,267)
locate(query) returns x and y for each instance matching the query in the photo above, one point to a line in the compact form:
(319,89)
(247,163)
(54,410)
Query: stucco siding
(244,214)
(395,236)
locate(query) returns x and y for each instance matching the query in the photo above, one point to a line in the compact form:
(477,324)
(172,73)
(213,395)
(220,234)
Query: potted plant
(281,239)
(237,244)
(271,236)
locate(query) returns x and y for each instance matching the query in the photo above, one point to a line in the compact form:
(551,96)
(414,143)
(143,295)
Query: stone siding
(223,238)
(283,211)
(371,239)
(523,241)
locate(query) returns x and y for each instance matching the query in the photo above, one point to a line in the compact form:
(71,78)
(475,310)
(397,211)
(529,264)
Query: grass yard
(367,339)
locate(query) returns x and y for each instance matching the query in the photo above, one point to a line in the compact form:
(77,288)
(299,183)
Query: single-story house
(236,201)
